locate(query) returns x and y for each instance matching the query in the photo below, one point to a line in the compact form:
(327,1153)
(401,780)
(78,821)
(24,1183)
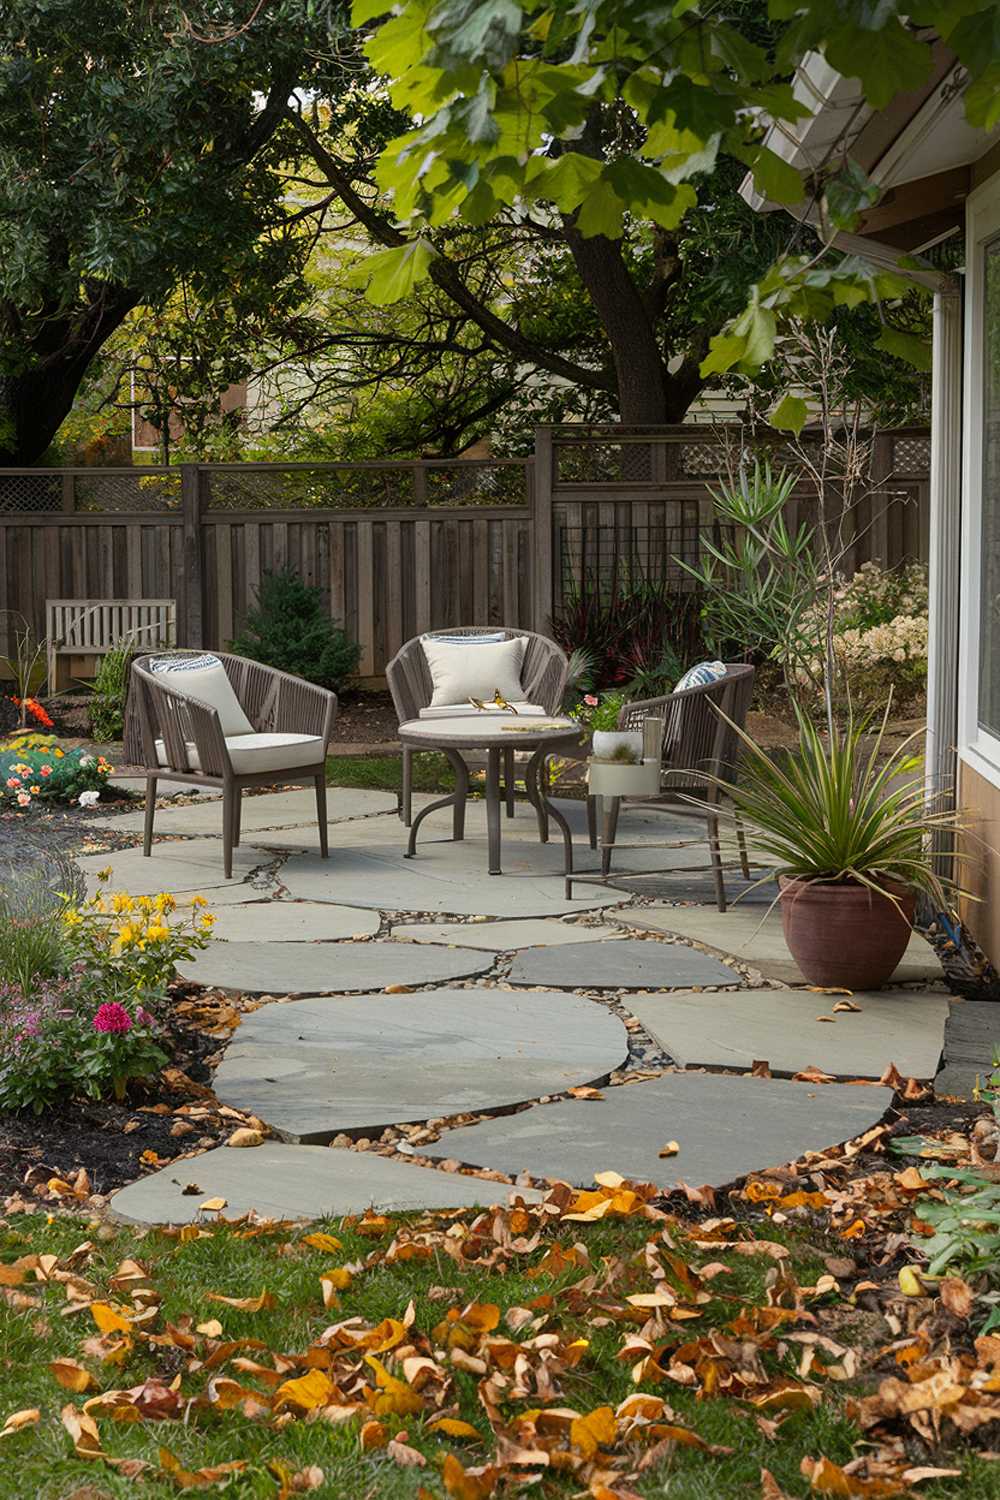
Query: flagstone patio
(529,996)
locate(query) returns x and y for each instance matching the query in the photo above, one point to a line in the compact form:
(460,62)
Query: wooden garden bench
(91,627)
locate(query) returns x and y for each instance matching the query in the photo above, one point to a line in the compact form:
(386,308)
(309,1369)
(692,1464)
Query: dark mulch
(113,1141)
(365,718)
(27,833)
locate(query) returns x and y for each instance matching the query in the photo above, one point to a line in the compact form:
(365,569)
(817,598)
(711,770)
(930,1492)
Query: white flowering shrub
(880,631)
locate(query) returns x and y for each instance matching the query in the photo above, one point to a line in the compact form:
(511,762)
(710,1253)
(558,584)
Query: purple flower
(143,1017)
(112,1017)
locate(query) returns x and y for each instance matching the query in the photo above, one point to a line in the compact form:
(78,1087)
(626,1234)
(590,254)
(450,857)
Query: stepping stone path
(631,964)
(313,1068)
(532,932)
(194,865)
(298,1182)
(278,968)
(732,1030)
(292,922)
(274,810)
(445,877)
(289,923)
(698,886)
(751,937)
(970,1039)
(725,1127)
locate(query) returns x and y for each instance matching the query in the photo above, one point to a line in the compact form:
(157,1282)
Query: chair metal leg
(592,820)
(741,840)
(715,854)
(406,795)
(324,852)
(227,829)
(610,807)
(237,816)
(493,807)
(147,828)
(510,781)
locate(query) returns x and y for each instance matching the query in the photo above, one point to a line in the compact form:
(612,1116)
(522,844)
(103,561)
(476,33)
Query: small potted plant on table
(850,830)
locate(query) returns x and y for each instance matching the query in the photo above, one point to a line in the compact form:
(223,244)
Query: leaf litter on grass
(606,1327)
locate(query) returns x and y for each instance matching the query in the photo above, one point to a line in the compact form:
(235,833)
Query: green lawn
(39,1323)
(431,773)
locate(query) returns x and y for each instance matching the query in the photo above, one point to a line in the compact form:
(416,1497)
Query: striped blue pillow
(184,663)
(701,675)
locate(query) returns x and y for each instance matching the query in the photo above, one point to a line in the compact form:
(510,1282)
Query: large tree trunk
(35,401)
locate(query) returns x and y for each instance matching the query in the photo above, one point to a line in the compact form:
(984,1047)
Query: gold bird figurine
(500,702)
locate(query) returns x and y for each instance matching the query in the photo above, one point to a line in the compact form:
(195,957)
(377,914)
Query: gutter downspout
(945,549)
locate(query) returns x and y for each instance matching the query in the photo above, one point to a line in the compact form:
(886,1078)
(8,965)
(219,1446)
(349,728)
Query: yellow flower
(34,790)
(121,902)
(125,935)
(145,903)
(72,917)
(165,902)
(198,901)
(157,932)
(59,754)
(104,874)
(208,921)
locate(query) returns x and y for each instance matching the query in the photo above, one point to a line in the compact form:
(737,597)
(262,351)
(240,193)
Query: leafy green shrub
(880,631)
(107,706)
(36,768)
(291,630)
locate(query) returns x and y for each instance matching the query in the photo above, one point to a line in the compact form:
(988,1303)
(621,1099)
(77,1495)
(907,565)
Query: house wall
(980,875)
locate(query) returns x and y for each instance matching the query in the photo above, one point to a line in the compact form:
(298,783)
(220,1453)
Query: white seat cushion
(250,753)
(459,673)
(206,680)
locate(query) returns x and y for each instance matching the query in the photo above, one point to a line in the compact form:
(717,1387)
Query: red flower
(112,1017)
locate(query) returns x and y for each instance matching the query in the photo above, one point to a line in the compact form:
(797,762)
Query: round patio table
(495,733)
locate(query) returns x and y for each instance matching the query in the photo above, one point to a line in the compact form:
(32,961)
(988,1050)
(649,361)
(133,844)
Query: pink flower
(590,700)
(13,781)
(45,771)
(143,1017)
(112,1017)
(23,799)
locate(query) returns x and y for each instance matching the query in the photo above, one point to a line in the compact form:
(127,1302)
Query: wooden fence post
(191,557)
(541,501)
(68,492)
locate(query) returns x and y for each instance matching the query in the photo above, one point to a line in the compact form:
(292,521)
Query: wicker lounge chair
(697,744)
(176,736)
(543,678)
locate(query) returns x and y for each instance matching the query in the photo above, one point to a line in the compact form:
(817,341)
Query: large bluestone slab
(298,1182)
(733,1029)
(725,1128)
(756,937)
(445,877)
(696,885)
(274,968)
(293,922)
(971,1037)
(633,964)
(166,788)
(187,865)
(529,932)
(313,1068)
(270,810)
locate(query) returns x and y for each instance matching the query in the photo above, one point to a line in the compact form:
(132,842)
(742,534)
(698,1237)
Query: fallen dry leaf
(19,1420)
(72,1376)
(670,1149)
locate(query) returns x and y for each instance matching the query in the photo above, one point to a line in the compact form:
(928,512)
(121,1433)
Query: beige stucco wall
(979,800)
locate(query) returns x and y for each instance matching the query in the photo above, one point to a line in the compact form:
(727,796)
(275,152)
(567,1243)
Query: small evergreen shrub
(290,629)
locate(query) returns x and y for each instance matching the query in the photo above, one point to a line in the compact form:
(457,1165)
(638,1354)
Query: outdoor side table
(494,733)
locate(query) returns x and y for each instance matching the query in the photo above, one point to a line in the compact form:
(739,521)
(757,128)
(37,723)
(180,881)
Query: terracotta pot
(841,933)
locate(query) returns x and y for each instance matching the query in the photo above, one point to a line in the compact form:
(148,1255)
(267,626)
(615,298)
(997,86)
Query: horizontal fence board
(388,570)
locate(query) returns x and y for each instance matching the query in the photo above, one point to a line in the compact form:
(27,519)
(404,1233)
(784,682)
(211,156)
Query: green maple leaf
(888,61)
(391,275)
(789,415)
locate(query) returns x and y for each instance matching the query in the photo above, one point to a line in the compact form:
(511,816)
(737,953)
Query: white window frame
(977,746)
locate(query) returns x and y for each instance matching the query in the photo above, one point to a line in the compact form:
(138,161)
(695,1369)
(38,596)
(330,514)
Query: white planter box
(611,779)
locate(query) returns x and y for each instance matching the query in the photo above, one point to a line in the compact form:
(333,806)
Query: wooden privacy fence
(397,548)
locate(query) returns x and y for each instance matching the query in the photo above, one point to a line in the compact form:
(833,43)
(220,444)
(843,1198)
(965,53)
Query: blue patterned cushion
(701,674)
(184,663)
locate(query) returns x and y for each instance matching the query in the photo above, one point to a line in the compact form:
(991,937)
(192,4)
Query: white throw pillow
(204,678)
(459,674)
